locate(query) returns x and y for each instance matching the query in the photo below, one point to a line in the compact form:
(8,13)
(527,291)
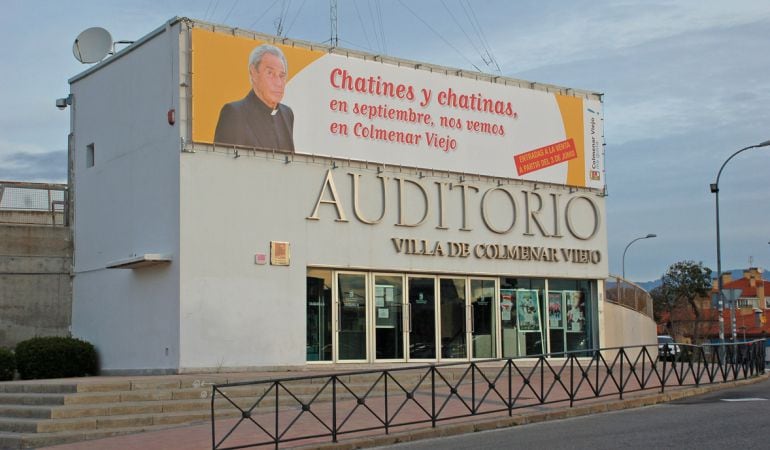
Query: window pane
(388,313)
(351,303)
(422,318)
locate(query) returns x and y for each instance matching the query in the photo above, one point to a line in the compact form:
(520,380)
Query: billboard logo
(595,175)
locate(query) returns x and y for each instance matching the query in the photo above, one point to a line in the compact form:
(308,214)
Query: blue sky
(686,84)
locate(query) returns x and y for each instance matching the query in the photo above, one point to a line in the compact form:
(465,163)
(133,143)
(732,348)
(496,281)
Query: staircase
(49,412)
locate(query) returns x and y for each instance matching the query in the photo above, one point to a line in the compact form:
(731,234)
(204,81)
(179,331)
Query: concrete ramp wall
(35,282)
(625,327)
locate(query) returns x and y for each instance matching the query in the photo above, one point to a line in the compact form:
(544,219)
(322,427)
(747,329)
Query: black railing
(319,408)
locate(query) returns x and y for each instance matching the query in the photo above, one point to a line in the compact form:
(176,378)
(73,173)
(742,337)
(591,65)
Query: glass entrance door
(319,315)
(483,333)
(388,317)
(453,318)
(422,317)
(351,317)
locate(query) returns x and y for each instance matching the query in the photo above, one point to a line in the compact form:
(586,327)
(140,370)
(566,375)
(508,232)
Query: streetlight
(715,190)
(629,245)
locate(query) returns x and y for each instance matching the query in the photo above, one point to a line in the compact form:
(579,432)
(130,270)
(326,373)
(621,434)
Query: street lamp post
(629,245)
(715,190)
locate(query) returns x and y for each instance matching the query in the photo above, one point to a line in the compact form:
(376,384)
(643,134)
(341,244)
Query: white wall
(128,204)
(235,313)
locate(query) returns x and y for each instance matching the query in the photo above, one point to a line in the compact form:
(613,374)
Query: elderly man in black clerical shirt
(260,120)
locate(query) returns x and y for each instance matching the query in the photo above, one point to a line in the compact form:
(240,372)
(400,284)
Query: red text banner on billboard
(353,108)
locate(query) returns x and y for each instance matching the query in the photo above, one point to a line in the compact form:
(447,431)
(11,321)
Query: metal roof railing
(26,203)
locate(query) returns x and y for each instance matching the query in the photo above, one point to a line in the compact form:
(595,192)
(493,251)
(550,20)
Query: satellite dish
(92,45)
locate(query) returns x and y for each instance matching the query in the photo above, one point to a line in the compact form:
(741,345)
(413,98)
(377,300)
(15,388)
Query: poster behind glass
(528,310)
(506,308)
(576,311)
(555,308)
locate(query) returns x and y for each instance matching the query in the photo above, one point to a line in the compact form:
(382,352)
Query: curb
(530,417)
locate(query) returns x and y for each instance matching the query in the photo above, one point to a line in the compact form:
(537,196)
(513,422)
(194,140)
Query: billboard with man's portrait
(356,107)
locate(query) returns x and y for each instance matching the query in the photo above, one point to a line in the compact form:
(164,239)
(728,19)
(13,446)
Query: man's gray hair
(256,55)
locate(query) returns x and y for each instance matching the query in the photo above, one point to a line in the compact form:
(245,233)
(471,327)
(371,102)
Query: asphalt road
(733,418)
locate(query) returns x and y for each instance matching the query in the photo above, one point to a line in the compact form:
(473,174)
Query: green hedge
(7,365)
(55,357)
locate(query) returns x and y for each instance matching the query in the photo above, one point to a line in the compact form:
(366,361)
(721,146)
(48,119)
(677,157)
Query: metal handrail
(274,412)
(616,295)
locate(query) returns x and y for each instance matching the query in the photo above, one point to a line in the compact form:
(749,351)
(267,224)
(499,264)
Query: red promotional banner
(543,157)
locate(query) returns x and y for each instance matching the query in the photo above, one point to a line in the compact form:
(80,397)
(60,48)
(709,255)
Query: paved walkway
(200,436)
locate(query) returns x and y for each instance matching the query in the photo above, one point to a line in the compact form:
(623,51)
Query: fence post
(622,357)
(473,388)
(571,380)
(663,375)
(542,379)
(433,396)
(387,420)
(277,429)
(510,388)
(334,408)
(213,432)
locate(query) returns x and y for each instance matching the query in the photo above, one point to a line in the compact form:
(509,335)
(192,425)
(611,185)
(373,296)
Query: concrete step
(108,422)
(25,412)
(32,399)
(10,425)
(45,425)
(63,386)
(37,388)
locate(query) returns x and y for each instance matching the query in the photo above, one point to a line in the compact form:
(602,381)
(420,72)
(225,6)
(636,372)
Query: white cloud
(8,148)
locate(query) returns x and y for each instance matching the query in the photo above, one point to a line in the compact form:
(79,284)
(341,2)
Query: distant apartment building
(752,306)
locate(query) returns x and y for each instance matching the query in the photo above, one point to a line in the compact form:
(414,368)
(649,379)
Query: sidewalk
(200,436)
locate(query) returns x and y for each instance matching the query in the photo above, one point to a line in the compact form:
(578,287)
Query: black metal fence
(322,408)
